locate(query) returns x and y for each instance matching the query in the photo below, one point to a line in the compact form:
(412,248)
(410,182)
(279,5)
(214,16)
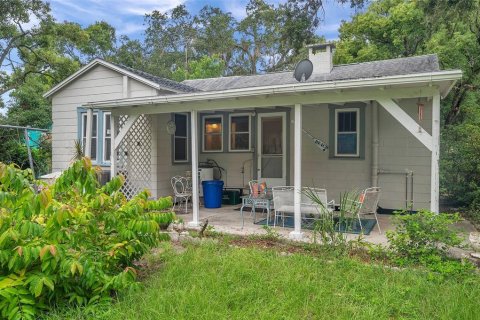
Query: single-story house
(379,119)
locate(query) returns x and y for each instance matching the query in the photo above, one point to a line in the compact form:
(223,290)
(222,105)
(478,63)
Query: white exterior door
(271,148)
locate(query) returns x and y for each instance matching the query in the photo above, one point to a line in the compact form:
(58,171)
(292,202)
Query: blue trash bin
(212,193)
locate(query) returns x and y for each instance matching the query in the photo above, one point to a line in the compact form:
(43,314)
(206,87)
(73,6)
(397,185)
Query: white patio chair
(368,204)
(181,190)
(315,203)
(282,202)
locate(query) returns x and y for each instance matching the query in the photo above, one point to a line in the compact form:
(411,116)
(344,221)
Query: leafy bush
(73,242)
(327,226)
(423,238)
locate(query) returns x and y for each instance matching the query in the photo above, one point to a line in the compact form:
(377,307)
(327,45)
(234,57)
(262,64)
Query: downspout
(374,106)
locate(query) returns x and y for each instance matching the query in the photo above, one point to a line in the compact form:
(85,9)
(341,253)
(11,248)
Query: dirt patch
(262,243)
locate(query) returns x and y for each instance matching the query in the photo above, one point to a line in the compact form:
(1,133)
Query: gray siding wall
(97,84)
(165,169)
(335,175)
(399,151)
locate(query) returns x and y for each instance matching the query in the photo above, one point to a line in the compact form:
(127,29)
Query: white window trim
(84,123)
(337,111)
(187,138)
(105,136)
(230,116)
(221,133)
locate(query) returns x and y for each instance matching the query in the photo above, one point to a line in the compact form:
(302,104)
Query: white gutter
(425,78)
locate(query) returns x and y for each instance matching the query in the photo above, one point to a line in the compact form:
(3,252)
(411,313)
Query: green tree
(17,39)
(205,67)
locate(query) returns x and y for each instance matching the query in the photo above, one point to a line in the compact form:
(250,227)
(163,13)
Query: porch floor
(228,220)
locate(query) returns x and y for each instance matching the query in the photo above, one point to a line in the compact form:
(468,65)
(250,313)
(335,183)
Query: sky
(127,15)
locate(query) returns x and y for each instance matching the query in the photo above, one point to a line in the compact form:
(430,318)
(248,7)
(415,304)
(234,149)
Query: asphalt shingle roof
(163,82)
(374,69)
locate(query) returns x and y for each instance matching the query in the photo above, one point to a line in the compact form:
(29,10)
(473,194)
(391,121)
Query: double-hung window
(107,137)
(347,135)
(180,138)
(94,134)
(239,132)
(212,134)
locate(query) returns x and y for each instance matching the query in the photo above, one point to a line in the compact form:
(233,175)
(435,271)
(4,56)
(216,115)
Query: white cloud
(130,28)
(236,8)
(117,13)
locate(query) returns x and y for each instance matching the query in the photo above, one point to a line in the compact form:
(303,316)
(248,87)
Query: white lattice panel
(133,155)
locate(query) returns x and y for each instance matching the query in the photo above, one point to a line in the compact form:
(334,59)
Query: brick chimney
(321,56)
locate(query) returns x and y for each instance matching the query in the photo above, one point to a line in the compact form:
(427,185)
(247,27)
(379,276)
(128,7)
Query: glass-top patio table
(263,201)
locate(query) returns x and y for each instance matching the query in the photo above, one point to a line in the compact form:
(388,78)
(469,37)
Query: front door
(271,144)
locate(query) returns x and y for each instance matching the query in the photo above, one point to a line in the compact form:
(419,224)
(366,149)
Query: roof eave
(425,78)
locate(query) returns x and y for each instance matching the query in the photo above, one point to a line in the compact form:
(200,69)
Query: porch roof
(397,86)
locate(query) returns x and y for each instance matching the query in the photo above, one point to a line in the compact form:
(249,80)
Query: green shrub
(423,238)
(74,242)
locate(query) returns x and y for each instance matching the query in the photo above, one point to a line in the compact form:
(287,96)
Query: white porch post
(297,233)
(113,152)
(435,175)
(195,199)
(88,137)
(374,107)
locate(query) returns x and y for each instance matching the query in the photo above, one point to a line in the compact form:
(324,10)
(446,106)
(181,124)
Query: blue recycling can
(212,193)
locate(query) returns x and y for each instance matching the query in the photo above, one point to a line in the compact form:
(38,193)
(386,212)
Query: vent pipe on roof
(321,56)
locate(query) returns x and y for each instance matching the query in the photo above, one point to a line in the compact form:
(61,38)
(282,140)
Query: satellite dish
(303,70)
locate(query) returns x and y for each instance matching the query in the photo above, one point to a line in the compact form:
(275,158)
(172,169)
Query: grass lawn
(218,281)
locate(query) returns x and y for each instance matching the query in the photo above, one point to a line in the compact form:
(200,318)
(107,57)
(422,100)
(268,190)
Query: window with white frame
(180,138)
(212,134)
(107,137)
(239,132)
(347,135)
(94,134)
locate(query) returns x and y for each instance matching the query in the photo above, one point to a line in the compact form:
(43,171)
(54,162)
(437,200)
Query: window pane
(213,142)
(181,125)
(94,126)
(84,125)
(240,141)
(347,143)
(107,149)
(180,149)
(213,125)
(106,125)
(347,121)
(240,124)
(94,149)
(272,135)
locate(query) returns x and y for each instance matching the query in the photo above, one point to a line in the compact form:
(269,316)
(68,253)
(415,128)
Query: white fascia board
(424,78)
(108,65)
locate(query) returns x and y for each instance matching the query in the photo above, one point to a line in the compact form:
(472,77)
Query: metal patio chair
(181,191)
(368,204)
